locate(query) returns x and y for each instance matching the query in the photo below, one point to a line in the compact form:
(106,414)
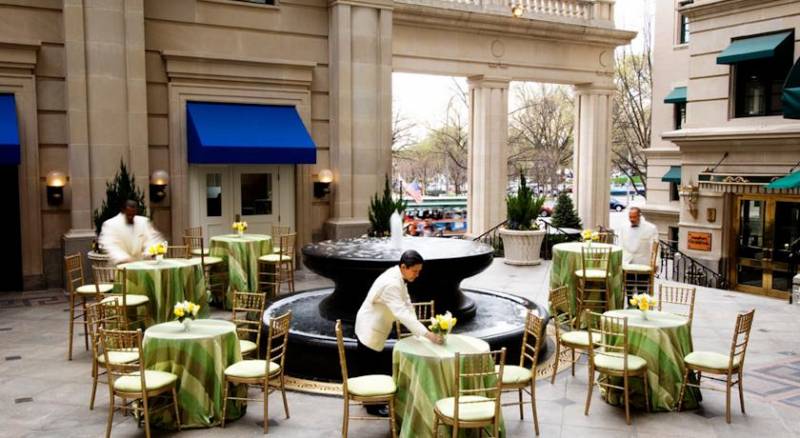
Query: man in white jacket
(126,236)
(637,239)
(386,302)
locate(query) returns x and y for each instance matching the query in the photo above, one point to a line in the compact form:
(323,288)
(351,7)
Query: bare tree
(451,140)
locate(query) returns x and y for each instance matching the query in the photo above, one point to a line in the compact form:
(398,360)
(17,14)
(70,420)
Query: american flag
(414,191)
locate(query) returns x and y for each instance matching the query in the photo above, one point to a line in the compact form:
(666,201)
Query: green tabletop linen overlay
(240,254)
(663,340)
(167,282)
(423,372)
(567,260)
(198,357)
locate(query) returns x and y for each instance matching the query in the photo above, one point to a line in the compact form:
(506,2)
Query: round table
(567,260)
(663,340)
(198,357)
(240,254)
(167,282)
(423,372)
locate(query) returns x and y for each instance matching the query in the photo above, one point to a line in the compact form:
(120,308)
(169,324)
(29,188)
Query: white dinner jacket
(637,241)
(125,242)
(386,302)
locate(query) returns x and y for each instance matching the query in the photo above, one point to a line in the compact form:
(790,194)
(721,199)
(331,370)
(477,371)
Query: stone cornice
(438,18)
(192,65)
(718,8)
(776,135)
(19,54)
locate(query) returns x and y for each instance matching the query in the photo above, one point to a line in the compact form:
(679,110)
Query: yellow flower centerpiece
(442,324)
(644,302)
(239,227)
(185,312)
(590,236)
(158,250)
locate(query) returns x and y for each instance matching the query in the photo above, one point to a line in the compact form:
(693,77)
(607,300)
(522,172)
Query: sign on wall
(699,241)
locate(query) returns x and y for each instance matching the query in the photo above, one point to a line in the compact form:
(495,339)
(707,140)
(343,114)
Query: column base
(344,228)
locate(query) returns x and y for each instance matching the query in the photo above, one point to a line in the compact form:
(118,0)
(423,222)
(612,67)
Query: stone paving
(43,395)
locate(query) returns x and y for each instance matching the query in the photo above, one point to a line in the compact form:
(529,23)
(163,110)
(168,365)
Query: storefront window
(256,191)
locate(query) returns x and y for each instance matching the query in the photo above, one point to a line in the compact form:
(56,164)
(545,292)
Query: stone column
(592,157)
(488,153)
(361,109)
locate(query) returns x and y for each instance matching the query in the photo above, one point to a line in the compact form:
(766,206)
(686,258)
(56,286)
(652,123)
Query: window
(256,191)
(683,29)
(673,237)
(673,192)
(213,194)
(680,115)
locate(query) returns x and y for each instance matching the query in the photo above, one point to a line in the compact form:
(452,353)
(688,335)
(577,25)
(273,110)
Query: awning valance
(791,93)
(752,48)
(9,131)
(220,133)
(677,95)
(673,175)
(790,181)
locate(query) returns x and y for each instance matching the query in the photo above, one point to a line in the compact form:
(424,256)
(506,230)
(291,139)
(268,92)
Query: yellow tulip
(444,324)
(179,312)
(644,306)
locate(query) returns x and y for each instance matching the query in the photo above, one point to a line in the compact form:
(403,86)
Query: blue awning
(235,133)
(9,131)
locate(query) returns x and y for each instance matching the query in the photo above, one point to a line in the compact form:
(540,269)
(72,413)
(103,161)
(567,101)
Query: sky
(422,99)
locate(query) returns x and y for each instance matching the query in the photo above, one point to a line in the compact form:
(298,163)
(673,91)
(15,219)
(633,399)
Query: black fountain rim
(312,249)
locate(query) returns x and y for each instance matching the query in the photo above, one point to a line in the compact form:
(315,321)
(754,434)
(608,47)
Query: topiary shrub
(523,208)
(119,190)
(564,214)
(381,209)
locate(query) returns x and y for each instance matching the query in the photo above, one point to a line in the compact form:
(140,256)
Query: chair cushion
(92,289)
(471,407)
(579,337)
(152,379)
(246,346)
(591,273)
(276,249)
(514,374)
(198,251)
(639,269)
(211,260)
(248,369)
(371,385)
(273,258)
(131,300)
(615,361)
(710,359)
(119,356)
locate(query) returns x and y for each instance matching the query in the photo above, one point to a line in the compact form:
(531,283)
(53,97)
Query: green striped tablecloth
(567,260)
(240,254)
(423,372)
(198,357)
(663,340)
(166,283)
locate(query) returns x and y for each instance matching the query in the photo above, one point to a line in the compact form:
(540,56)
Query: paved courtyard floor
(44,395)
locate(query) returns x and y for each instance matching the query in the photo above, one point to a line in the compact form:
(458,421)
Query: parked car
(615,204)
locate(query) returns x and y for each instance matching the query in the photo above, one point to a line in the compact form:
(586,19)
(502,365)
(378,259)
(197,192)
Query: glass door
(256,198)
(216,210)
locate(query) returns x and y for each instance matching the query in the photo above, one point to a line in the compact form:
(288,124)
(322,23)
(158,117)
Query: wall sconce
(323,184)
(158,185)
(55,182)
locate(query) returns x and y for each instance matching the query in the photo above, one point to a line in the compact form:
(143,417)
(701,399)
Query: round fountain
(354,264)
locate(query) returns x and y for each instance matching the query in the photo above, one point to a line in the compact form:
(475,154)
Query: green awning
(673,175)
(677,95)
(790,181)
(749,49)
(791,93)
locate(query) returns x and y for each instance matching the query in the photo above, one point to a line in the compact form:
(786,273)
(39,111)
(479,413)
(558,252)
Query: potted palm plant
(522,238)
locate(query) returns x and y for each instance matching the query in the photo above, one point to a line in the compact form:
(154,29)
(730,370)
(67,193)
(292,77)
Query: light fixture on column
(55,182)
(517,10)
(158,185)
(323,184)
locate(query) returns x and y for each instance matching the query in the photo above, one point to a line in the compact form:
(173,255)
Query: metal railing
(555,235)
(492,238)
(677,266)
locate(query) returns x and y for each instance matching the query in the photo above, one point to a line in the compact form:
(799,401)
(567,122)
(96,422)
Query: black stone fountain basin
(312,352)
(354,264)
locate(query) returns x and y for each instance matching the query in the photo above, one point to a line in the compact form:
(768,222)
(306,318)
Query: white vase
(187,324)
(522,248)
(159,258)
(240,233)
(644,315)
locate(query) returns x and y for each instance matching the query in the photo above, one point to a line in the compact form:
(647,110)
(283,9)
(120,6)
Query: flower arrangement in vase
(644,302)
(442,325)
(185,312)
(239,227)
(158,250)
(590,236)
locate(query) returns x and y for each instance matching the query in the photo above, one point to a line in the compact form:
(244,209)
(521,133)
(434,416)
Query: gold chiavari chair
(373,389)
(278,231)
(593,279)
(247,310)
(610,357)
(265,373)
(710,362)
(639,278)
(523,378)
(566,337)
(109,316)
(130,381)
(276,269)
(677,296)
(120,296)
(474,406)
(178,251)
(80,294)
(214,268)
(606,235)
(195,232)
(424,310)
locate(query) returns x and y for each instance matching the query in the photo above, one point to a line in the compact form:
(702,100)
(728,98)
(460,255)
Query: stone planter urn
(522,248)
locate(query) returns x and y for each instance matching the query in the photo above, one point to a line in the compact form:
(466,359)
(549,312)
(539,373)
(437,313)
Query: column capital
(484,81)
(377,4)
(595,89)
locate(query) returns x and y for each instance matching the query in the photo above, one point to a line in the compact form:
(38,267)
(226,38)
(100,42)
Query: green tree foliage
(381,209)
(120,189)
(523,208)
(564,215)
